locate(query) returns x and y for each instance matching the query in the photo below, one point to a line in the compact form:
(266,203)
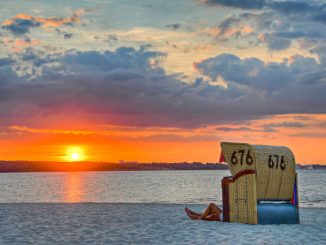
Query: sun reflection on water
(74,188)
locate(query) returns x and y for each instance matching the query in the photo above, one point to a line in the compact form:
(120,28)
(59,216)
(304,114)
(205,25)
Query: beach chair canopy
(274,168)
(263,186)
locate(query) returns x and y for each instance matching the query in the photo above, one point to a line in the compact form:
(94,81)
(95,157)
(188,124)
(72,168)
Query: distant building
(121,161)
(309,167)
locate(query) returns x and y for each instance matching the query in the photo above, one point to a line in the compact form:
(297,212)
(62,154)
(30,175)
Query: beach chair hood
(259,174)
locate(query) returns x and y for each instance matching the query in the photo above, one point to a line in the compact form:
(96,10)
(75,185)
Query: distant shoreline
(38,166)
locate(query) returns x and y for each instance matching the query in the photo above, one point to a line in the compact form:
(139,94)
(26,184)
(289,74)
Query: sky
(161,81)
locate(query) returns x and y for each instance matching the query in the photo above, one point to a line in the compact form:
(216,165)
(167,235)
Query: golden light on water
(74,154)
(73,188)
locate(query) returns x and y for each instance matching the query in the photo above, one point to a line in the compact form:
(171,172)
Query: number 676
(274,162)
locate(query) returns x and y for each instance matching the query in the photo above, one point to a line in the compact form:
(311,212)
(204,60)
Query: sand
(105,223)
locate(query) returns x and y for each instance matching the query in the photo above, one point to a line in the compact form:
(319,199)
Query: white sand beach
(105,223)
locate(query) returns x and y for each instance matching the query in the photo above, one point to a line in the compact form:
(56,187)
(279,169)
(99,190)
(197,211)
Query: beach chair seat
(263,186)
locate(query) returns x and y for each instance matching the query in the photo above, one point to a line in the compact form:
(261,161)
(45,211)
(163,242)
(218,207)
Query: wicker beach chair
(263,186)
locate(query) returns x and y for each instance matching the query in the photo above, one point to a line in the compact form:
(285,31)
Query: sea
(174,187)
(141,207)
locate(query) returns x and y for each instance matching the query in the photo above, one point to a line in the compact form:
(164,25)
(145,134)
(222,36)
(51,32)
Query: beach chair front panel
(242,199)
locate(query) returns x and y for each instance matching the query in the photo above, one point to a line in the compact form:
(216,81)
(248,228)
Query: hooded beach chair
(263,187)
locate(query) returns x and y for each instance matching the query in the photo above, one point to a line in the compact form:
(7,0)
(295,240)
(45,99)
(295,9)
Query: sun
(74,154)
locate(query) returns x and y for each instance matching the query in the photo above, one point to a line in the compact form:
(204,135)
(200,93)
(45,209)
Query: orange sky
(165,144)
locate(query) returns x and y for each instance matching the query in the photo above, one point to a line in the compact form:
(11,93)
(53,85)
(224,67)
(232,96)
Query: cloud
(6,61)
(235,129)
(244,4)
(18,44)
(143,136)
(123,58)
(21,23)
(266,127)
(231,27)
(64,34)
(274,42)
(272,127)
(50,131)
(277,24)
(302,10)
(129,87)
(108,38)
(111,38)
(298,71)
(20,26)
(286,125)
(174,26)
(287,84)
(292,7)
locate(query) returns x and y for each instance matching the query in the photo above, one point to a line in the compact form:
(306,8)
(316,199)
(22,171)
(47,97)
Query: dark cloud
(109,38)
(231,27)
(112,38)
(128,87)
(229,22)
(321,16)
(6,61)
(277,25)
(275,42)
(290,34)
(296,82)
(21,26)
(67,35)
(271,78)
(272,127)
(291,7)
(303,10)
(64,34)
(244,4)
(174,26)
(229,129)
(311,134)
(286,125)
(22,23)
(122,58)
(268,127)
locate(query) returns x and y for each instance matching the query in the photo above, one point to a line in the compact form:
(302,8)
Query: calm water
(200,187)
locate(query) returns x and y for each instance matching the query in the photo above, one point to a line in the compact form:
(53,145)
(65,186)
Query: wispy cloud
(231,27)
(173,26)
(235,129)
(245,4)
(21,23)
(19,44)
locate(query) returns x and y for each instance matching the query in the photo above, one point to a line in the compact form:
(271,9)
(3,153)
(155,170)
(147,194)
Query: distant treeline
(31,166)
(311,166)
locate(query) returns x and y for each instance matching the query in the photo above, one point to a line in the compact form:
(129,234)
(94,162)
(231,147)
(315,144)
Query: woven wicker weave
(273,178)
(229,148)
(243,200)
(272,183)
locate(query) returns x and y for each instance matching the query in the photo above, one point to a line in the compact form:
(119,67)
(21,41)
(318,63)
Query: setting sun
(75,154)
